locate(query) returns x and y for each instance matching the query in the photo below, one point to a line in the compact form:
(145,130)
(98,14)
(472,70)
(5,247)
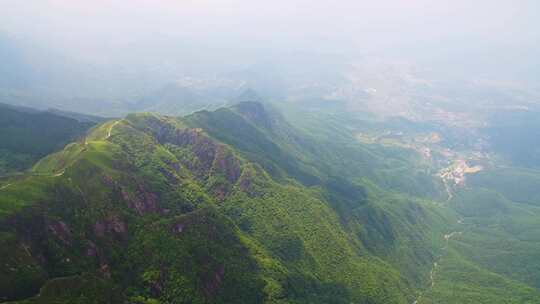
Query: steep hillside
(28,135)
(490,254)
(493,255)
(232,206)
(161,208)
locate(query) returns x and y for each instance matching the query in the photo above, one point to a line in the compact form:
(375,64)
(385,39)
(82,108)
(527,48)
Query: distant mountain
(249,95)
(84,118)
(176,99)
(28,135)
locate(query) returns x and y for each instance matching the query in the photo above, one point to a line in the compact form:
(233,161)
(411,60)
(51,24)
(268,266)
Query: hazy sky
(492,37)
(125,47)
(280,23)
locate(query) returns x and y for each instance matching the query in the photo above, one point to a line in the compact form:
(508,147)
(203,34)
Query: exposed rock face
(105,271)
(110,225)
(100,228)
(109,181)
(91,249)
(142,202)
(220,191)
(227,164)
(178,228)
(211,158)
(245,183)
(212,283)
(251,180)
(61,231)
(201,145)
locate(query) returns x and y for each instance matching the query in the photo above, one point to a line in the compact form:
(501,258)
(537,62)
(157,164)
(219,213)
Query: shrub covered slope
(230,206)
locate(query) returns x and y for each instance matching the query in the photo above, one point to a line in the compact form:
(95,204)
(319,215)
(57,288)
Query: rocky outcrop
(143,202)
(178,228)
(111,225)
(91,249)
(227,164)
(210,160)
(213,281)
(202,147)
(60,231)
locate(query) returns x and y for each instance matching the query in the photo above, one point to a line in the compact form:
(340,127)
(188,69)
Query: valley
(487,211)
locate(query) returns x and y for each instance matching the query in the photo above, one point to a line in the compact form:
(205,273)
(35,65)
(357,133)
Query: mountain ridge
(153,208)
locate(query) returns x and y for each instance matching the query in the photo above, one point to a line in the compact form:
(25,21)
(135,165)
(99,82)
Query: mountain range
(245,204)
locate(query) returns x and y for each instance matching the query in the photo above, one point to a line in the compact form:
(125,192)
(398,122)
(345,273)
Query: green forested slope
(231,206)
(494,255)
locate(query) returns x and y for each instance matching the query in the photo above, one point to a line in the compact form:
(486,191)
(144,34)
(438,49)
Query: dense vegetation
(239,206)
(494,256)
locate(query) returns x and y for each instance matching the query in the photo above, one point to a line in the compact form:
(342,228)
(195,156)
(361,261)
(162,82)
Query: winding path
(111,128)
(447,238)
(448,191)
(36,174)
(64,171)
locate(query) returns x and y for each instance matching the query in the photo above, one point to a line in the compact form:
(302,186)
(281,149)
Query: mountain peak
(255,112)
(249,95)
